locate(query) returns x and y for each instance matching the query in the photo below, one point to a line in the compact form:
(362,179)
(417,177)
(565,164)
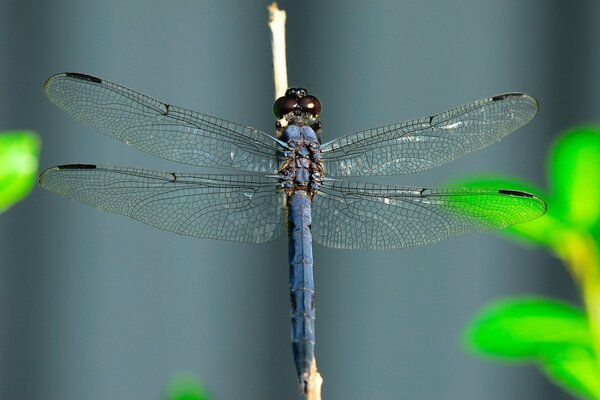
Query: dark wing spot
(44,174)
(173,176)
(76,166)
(83,77)
(165,111)
(507,95)
(515,193)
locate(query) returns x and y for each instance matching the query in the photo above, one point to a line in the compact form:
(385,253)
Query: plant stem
(581,254)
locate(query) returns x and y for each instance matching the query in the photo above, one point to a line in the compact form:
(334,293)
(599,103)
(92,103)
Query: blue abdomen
(302,288)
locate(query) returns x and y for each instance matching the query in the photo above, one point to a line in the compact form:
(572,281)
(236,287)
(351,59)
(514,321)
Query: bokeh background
(96,306)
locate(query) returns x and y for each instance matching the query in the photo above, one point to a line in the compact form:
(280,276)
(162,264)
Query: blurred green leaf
(552,333)
(186,387)
(555,335)
(541,231)
(528,327)
(575,177)
(18,165)
(576,369)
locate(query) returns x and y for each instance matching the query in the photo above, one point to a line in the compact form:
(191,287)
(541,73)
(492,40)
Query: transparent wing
(424,143)
(353,215)
(161,129)
(237,208)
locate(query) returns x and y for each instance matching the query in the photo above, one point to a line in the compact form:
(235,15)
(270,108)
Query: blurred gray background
(97,306)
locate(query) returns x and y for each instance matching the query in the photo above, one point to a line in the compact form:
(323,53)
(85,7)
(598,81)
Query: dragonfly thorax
(302,168)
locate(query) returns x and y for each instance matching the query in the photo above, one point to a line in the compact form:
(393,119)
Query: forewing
(353,215)
(226,207)
(424,143)
(161,129)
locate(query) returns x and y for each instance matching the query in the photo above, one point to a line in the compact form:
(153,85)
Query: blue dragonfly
(287,181)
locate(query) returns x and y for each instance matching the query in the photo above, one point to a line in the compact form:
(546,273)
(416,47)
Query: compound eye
(296,92)
(310,104)
(284,105)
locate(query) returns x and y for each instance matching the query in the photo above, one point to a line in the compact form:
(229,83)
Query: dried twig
(277,25)
(314,383)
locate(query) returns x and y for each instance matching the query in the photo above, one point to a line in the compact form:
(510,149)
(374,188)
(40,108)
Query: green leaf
(551,333)
(528,327)
(186,387)
(576,369)
(18,166)
(541,231)
(575,176)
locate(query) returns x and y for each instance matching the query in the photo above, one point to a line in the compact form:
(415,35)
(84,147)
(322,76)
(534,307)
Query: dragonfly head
(297,101)
(297,107)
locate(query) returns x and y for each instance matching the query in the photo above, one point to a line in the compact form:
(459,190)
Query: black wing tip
(73,75)
(524,96)
(76,166)
(525,195)
(510,95)
(516,193)
(82,77)
(64,167)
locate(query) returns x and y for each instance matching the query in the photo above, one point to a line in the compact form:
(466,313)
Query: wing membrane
(354,215)
(160,129)
(226,207)
(424,143)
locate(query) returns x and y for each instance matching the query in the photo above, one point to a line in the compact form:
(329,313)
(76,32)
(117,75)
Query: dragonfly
(290,180)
